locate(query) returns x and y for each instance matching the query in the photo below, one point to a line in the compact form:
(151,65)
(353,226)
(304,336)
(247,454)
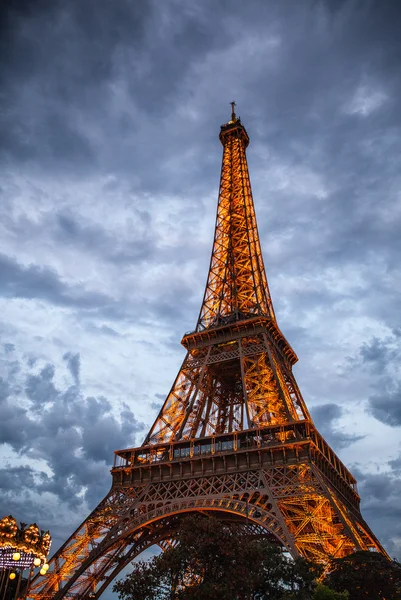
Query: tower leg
(282,492)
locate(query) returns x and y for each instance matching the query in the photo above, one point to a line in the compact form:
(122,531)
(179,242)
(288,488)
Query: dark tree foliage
(322,592)
(366,576)
(214,560)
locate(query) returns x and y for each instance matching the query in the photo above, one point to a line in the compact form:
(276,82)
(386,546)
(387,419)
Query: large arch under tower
(233,438)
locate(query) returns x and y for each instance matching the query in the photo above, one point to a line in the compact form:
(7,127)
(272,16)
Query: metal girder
(238,368)
(233,437)
(229,386)
(236,283)
(294,503)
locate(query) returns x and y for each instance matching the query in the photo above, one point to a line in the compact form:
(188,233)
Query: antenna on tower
(233,115)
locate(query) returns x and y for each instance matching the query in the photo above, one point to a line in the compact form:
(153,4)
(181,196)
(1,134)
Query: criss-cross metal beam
(233,438)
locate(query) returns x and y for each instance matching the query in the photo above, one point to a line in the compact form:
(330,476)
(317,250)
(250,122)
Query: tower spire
(237,287)
(233,115)
(236,321)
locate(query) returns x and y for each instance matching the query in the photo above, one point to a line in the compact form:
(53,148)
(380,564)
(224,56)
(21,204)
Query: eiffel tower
(234,437)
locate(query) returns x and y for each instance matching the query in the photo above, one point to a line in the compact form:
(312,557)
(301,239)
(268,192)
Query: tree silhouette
(216,560)
(366,576)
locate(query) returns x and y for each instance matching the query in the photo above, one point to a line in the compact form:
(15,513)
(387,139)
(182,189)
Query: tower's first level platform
(275,445)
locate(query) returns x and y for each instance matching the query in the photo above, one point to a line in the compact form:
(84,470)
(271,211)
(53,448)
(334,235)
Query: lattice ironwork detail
(234,436)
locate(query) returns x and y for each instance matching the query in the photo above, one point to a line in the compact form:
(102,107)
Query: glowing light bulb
(16,556)
(12,576)
(37,562)
(46,566)
(43,571)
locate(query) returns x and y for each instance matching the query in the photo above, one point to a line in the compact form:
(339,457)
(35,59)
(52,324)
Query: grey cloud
(40,389)
(43,283)
(74,435)
(167,300)
(16,428)
(52,67)
(102,330)
(18,479)
(156,405)
(378,353)
(18,485)
(30,507)
(105,329)
(349,225)
(327,413)
(4,390)
(94,238)
(381,357)
(134,93)
(74,365)
(386,406)
(325,416)
(136,58)
(378,486)
(380,493)
(61,142)
(396,465)
(133,242)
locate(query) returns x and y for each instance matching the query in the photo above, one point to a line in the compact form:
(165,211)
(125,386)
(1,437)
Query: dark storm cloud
(16,428)
(396,465)
(75,68)
(343,50)
(380,493)
(17,479)
(79,59)
(329,143)
(325,417)
(133,242)
(73,435)
(386,406)
(74,365)
(94,238)
(74,52)
(377,354)
(381,357)
(128,97)
(42,283)
(310,122)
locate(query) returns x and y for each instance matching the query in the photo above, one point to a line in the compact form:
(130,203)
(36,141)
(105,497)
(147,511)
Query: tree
(322,592)
(216,560)
(366,576)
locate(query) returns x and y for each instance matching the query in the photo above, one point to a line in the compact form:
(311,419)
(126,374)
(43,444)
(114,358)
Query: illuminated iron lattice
(234,437)
(21,546)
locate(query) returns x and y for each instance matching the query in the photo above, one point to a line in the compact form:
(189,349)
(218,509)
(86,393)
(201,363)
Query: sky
(109,174)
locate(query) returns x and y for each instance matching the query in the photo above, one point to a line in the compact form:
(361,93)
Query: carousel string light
(21,548)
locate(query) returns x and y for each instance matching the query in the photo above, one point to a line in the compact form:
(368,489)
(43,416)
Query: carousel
(22,549)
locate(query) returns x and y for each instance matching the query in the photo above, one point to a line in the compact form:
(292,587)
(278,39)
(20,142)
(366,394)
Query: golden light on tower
(233,438)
